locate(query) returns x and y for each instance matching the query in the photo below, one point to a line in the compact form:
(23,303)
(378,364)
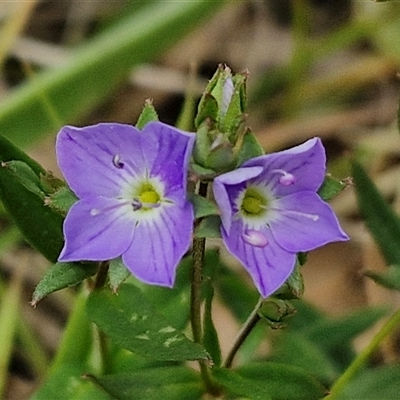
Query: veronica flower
(131,187)
(270,211)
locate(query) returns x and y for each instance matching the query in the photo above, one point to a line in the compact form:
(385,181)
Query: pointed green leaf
(390,279)
(170,383)
(270,381)
(147,115)
(41,226)
(202,206)
(62,275)
(131,321)
(380,219)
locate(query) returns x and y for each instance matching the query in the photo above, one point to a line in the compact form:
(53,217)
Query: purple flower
(131,187)
(270,211)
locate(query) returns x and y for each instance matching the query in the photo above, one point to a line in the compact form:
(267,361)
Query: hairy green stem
(359,362)
(243,333)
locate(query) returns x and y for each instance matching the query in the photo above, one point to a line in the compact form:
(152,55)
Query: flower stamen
(255,238)
(117,161)
(286,179)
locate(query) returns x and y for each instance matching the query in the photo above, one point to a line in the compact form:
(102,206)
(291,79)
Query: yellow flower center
(254,202)
(149,196)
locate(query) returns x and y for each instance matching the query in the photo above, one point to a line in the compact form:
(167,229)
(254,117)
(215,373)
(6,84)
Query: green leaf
(170,383)
(147,115)
(67,384)
(41,226)
(131,321)
(250,148)
(270,381)
(331,187)
(382,222)
(97,67)
(375,384)
(61,200)
(209,227)
(390,279)
(62,275)
(117,274)
(26,176)
(173,303)
(9,152)
(202,206)
(295,349)
(342,330)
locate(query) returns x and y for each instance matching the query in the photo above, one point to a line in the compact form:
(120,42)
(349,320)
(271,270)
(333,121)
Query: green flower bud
(275,311)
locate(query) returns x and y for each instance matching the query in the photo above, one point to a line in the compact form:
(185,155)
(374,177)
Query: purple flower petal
(97,229)
(305,222)
(98,159)
(268,266)
(172,154)
(158,245)
(306,163)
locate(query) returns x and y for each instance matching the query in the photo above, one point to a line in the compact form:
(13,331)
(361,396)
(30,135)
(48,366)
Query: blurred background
(316,68)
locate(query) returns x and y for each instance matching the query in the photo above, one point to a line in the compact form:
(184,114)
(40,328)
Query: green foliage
(60,276)
(380,219)
(390,279)
(136,326)
(172,383)
(250,148)
(22,197)
(209,227)
(374,384)
(97,67)
(269,381)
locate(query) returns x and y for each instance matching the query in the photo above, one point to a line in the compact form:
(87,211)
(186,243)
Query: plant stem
(101,275)
(199,246)
(243,333)
(359,362)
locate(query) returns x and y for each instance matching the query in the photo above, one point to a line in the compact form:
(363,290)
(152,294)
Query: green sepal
(275,311)
(49,183)
(331,187)
(390,279)
(203,143)
(61,200)
(293,288)
(250,148)
(147,115)
(130,320)
(209,227)
(24,201)
(207,110)
(202,206)
(205,174)
(170,383)
(60,276)
(117,274)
